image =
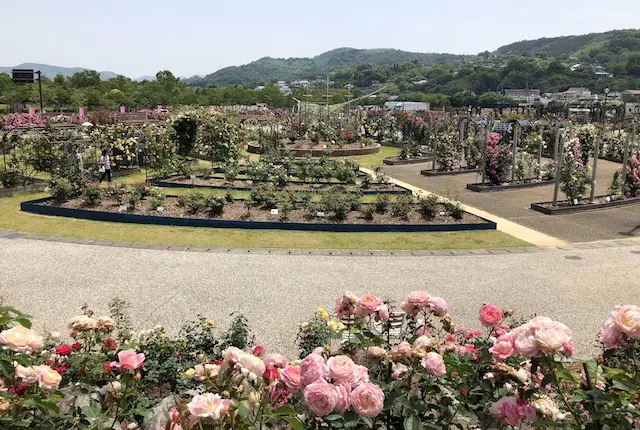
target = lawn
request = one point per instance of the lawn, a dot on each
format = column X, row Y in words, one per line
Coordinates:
column 373, row 160
column 12, row 219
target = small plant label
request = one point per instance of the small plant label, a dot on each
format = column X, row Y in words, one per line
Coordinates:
column 249, row 182
column 320, row 214
column 274, row 211
column 122, row 208
column 443, row 213
column 608, row 199
column 358, row 183
column 575, row 201
column 159, row 209
column 316, row 185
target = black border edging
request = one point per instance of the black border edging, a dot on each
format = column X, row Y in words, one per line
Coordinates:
column 562, row 210
column 167, row 184
column 486, row 188
column 34, row 206
column 389, row 161
column 255, row 148
column 448, row 172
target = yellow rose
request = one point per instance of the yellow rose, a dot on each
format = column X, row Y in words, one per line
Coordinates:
column 323, row 313
column 48, row 378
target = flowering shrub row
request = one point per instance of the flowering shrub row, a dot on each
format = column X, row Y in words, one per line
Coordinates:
column 433, row 374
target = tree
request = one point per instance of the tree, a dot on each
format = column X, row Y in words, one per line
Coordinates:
column 85, row 79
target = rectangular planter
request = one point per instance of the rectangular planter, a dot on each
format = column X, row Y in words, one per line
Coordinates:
column 392, row 162
column 485, row 188
column 561, row 210
column 35, row 206
column 448, row 172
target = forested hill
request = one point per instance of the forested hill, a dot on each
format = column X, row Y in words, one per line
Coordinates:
column 617, row 51
column 269, row 69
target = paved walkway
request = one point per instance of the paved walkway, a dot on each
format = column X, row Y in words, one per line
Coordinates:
column 514, row 205
column 51, row 280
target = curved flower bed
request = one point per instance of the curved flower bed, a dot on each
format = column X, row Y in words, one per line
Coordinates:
column 432, row 374
column 320, row 149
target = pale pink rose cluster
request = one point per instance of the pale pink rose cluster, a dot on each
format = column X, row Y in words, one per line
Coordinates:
column 512, row 411
column 46, row 377
column 21, row 339
column 419, row 301
column 624, row 324
column 128, row 359
column 361, row 307
column 209, row 405
column 434, row 364
column 206, row 371
column 334, row 386
column 250, row 365
column 84, row 323
column 539, row 336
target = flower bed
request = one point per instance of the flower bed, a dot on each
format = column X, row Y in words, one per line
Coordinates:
column 302, row 148
column 223, row 184
column 459, row 171
column 398, row 161
column 432, row 374
column 313, row 216
column 484, row 188
column 567, row 207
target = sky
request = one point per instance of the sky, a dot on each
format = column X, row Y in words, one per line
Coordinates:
column 188, row 37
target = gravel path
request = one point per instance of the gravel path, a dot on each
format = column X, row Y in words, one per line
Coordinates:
column 52, row 280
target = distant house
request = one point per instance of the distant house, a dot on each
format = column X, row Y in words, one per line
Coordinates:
column 632, row 108
column 572, row 94
column 407, row 106
column 300, row 84
column 601, row 73
column 526, row 95
column 631, row 96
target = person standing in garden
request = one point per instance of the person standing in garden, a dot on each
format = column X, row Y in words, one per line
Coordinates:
column 105, row 166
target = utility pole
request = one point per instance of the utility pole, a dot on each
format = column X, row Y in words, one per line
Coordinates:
column 40, row 88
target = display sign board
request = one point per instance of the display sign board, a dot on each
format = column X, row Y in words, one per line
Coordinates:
column 23, row 76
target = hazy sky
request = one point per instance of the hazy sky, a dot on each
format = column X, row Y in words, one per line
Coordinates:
column 140, row 37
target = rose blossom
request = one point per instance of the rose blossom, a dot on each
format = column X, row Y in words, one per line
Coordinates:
column 130, row 360
column 252, row 363
column 503, row 348
column 397, row 369
column 376, row 352
column 434, row 364
column 290, row 376
column 341, row 368
column 438, row 306
column 208, row 405
column 232, row 354
column 276, row 360
column 343, row 392
column 321, row 398
column 206, row 371
column 367, row 305
column 627, row 318
column 415, row 302
column 63, row 350
column 258, row 350
column 270, row 374
column 490, row 315
column 423, row 342
column 27, row 374
column 551, row 335
column 512, row 411
column 21, row 339
column 312, row 368
column 612, row 336
column 367, row 400
column 106, row 324
column 383, row 313
column 360, row 376
column 83, row 323
column 547, row 408
column 345, row 305
column 47, row 378
column 401, row 351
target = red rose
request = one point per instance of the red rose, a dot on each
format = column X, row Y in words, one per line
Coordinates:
column 463, row 391
column 270, row 374
column 258, row 350
column 76, row 346
column 110, row 344
column 63, row 350
column 107, row 368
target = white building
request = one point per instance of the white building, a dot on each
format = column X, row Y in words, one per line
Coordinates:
column 407, row 106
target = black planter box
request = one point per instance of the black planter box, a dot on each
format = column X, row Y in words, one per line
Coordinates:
column 448, row 172
column 561, row 210
column 390, row 161
column 486, row 188
column 35, row 206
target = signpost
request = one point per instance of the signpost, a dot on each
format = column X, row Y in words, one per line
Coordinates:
column 27, row 76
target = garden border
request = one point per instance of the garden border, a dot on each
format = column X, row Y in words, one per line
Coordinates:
column 389, row 161
column 485, row 188
column 539, row 207
column 166, row 184
column 34, row 206
column 448, row 172
column 8, row 192
column 255, row 148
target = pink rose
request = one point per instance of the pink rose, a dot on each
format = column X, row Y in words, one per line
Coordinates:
column 367, row 400
column 321, row 398
column 130, row 360
column 550, row 335
column 276, row 360
column 343, row 392
column 270, row 374
column 258, row 350
column 512, row 411
column 231, row 354
column 423, row 342
column 360, row 376
column 567, row 349
column 208, row 405
column 415, row 302
column 290, row 376
column 367, row 305
column 398, row 369
column 383, row 313
column 21, row 339
column 346, row 305
column 434, row 364
column 490, row 315
column 312, row 368
column 47, row 378
column 206, row 371
column 252, row 363
column 438, row 306
column 503, row 348
column 401, row 351
column 627, row 318
column 612, row 336
column 341, row 368
column 376, row 352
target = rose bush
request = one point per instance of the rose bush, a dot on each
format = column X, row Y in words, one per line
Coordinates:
column 430, row 374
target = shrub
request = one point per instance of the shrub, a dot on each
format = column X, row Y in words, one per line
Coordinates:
column 454, row 209
column 574, row 176
column 11, row 178
column 92, row 195
column 368, row 212
column 257, row 171
column 264, row 196
column 338, row 203
column 194, row 202
column 228, row 197
column 401, row 208
column 132, row 200
column 156, row 201
column 630, row 187
column 316, row 333
column 382, row 203
column 215, row 206
column 428, row 207
column 63, row 190
column 499, row 157
column 527, row 166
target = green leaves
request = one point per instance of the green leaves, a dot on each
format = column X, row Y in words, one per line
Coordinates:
column 412, row 422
